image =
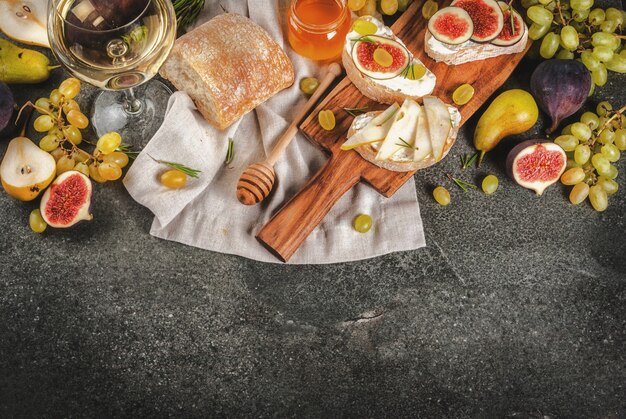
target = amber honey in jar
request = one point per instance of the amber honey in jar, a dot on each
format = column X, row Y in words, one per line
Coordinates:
column 317, row 29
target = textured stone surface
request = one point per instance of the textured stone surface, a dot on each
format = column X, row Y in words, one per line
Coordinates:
column 515, row 309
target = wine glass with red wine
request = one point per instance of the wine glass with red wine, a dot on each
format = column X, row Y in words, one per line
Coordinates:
column 118, row 46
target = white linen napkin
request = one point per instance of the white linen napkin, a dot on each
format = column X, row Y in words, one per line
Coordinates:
column 206, row 212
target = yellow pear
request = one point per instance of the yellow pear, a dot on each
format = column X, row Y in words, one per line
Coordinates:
column 26, row 170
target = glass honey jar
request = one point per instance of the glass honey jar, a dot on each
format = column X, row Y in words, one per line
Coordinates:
column 317, row 29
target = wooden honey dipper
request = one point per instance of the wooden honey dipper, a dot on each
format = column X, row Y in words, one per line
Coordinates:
column 257, row 181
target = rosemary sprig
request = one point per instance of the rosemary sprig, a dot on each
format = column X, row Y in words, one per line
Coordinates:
column 364, row 39
column 410, row 69
column 356, row 111
column 127, row 149
column 461, row 183
column 181, row 167
column 389, row 117
column 230, row 154
column 466, row 161
column 403, row 143
column 187, row 11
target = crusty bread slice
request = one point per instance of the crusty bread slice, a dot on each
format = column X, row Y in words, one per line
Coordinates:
column 228, row 66
column 470, row 51
column 369, row 153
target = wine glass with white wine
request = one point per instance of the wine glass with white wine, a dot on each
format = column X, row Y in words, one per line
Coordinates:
column 118, row 46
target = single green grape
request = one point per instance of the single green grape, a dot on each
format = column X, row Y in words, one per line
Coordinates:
column 43, row 104
column 43, row 123
column 607, row 136
column 600, row 162
column 596, row 17
column 564, row 54
column 567, row 130
column 589, row 60
column 490, row 184
column 615, row 14
column 582, row 153
column 616, row 64
column 581, row 131
column 70, row 87
column 549, row 45
column 389, row 7
column 49, row 143
column 599, row 76
column 73, row 134
column 602, row 53
column 109, row 142
column 603, row 108
column 36, row 221
column 536, row 31
column 309, row 85
column 609, row 185
column 602, row 39
column 580, row 15
column 362, row 223
column 598, row 198
column 579, row 193
column 77, row 118
column 441, row 195
column 581, row 4
column 573, row 176
column 540, row 15
column 590, row 119
column 566, row 142
column 611, row 152
column 608, row 26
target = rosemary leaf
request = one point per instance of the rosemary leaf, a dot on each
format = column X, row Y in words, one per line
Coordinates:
column 461, row 183
column 126, row 149
column 403, row 143
column 230, row 154
column 364, row 39
column 468, row 160
column 181, row 167
column 187, row 11
column 356, row 111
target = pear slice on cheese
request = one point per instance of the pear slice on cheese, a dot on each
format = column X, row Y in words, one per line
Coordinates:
column 376, row 130
column 439, row 124
column 423, row 147
column 402, row 133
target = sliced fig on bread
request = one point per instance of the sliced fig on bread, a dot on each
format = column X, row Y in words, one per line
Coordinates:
column 487, row 17
column 451, row 25
column 380, row 58
column 514, row 27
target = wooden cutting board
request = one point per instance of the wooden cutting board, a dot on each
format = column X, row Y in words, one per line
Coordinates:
column 292, row 224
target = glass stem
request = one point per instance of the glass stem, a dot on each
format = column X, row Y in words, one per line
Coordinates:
column 132, row 105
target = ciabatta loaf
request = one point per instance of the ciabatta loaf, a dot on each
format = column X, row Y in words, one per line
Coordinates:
column 228, row 66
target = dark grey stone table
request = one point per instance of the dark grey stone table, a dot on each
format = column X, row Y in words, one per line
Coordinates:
column 516, row 308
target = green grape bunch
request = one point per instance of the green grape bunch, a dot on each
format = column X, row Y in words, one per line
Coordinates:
column 573, row 30
column 593, row 144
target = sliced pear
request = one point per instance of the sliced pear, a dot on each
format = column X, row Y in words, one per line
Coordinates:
column 376, row 130
column 423, row 147
column 26, row 170
column 439, row 124
column 25, row 21
column 402, row 133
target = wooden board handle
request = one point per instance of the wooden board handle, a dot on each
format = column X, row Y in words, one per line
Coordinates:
column 290, row 226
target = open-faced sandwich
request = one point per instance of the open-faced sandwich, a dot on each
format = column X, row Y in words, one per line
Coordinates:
column 381, row 66
column 470, row 30
column 405, row 138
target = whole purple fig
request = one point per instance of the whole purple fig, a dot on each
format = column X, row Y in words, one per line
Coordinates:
column 560, row 88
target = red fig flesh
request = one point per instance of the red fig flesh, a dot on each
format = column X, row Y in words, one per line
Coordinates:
column 363, row 57
column 67, row 201
column 514, row 28
column 451, row 25
column 536, row 165
column 560, row 88
column 487, row 18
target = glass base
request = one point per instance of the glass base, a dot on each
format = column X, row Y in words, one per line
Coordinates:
column 111, row 112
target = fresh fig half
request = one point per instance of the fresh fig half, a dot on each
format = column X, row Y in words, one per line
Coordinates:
column 451, row 25
column 487, row 17
column 67, row 201
column 514, row 27
column 536, row 164
column 366, row 53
